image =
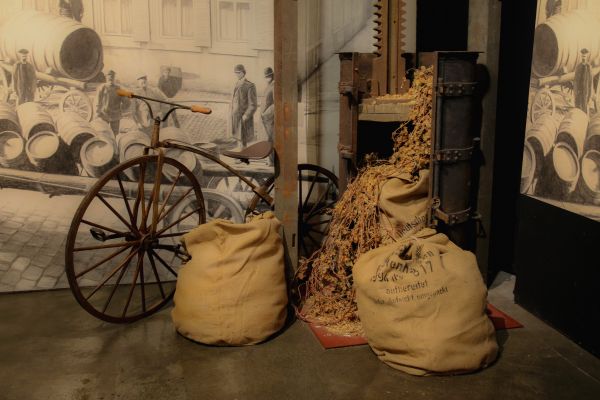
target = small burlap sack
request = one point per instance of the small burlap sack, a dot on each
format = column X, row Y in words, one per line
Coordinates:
column 421, row 302
column 403, row 204
column 233, row 290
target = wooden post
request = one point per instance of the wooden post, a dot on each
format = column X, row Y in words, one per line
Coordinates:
column 484, row 36
column 286, row 123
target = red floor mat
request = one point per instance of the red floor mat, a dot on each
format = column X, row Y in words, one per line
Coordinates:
column 330, row 340
column 501, row 320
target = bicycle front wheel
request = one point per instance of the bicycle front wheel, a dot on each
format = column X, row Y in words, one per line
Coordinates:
column 123, row 252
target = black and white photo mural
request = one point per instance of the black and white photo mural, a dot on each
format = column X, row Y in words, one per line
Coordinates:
column 561, row 157
column 62, row 125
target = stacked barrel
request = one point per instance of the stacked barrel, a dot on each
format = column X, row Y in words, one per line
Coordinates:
column 31, row 139
column 561, row 159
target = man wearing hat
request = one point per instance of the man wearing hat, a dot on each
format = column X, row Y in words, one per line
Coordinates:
column 243, row 107
column 109, row 105
column 167, row 83
column 267, row 110
column 582, row 82
column 71, row 9
column 141, row 116
column 24, row 79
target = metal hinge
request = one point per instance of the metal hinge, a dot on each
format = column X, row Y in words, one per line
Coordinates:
column 456, row 89
column 454, row 218
column 453, row 155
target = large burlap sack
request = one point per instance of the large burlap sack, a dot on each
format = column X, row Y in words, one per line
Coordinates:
column 421, row 302
column 233, row 290
column 403, row 204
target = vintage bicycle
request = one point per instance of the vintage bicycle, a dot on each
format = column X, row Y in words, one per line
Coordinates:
column 124, row 248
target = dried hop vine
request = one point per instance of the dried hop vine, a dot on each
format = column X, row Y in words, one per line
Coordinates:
column 328, row 296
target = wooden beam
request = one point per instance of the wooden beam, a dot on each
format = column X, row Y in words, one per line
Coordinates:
column 484, row 36
column 286, row 123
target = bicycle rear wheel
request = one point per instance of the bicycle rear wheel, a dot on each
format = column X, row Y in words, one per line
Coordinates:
column 317, row 194
column 122, row 254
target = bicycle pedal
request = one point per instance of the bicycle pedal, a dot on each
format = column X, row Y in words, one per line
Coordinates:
column 98, row 234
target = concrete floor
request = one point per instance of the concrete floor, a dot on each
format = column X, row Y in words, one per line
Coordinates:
column 51, row 349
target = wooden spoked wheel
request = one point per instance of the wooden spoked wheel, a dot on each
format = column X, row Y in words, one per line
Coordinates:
column 543, row 103
column 123, row 251
column 317, row 194
column 43, row 91
column 216, row 204
column 78, row 102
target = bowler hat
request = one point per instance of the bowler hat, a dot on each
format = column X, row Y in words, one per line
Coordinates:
column 23, row 51
column 142, row 77
column 268, row 72
column 584, row 51
column 239, row 68
column 111, row 72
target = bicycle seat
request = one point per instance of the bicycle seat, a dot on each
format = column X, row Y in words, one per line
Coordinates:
column 255, row 152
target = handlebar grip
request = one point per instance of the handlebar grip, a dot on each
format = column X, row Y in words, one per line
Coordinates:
column 200, row 109
column 124, row 93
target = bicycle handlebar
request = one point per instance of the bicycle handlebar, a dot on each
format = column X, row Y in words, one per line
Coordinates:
column 194, row 108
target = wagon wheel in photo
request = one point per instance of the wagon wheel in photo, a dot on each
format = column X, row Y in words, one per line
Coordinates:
column 43, row 90
column 4, row 86
column 543, row 103
column 217, row 205
column 317, row 194
column 78, row 102
column 123, row 251
column 235, row 188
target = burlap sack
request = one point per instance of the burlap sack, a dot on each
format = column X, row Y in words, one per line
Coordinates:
column 403, row 204
column 422, row 302
column 233, row 291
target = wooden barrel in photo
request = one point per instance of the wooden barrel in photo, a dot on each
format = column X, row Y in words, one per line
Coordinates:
column 8, row 118
column 58, row 44
column 528, row 168
column 566, row 166
column 592, row 139
column 48, row 153
column 74, row 131
column 590, row 177
column 34, row 118
column 131, row 144
column 559, row 40
column 568, row 148
column 12, row 150
column 188, row 159
column 102, row 128
column 573, row 129
column 539, row 140
column 98, row 155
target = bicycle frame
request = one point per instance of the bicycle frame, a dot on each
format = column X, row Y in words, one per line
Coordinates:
column 157, row 145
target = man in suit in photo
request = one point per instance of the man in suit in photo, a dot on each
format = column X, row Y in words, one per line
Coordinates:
column 140, row 112
column 24, row 79
column 267, row 110
column 583, row 82
column 243, row 107
column 109, row 105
